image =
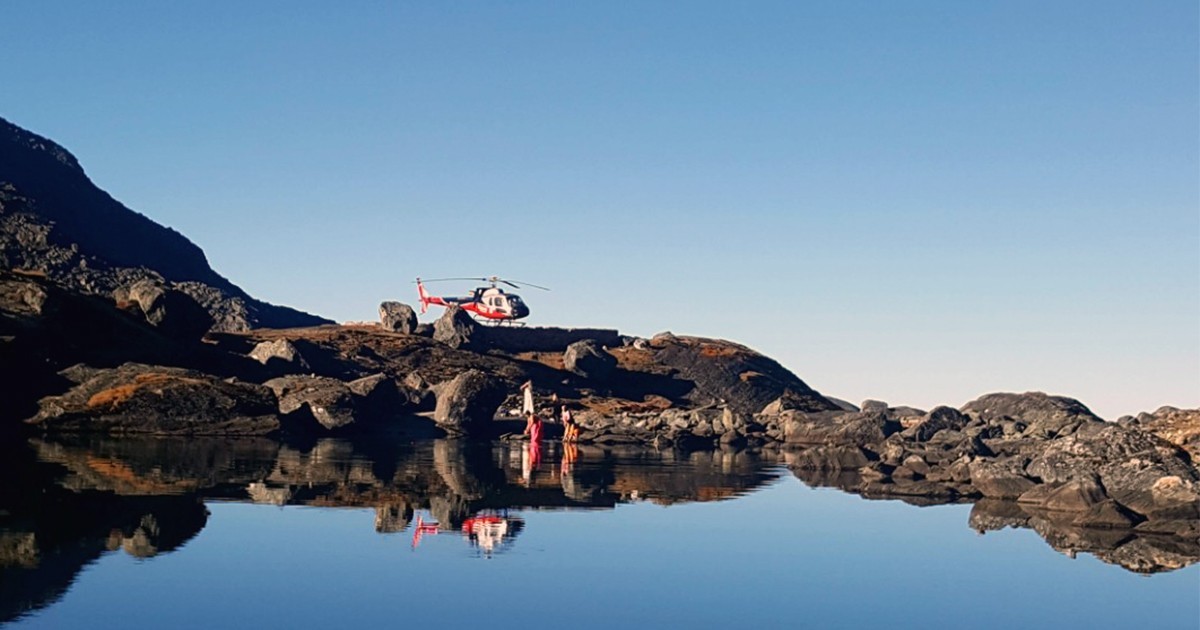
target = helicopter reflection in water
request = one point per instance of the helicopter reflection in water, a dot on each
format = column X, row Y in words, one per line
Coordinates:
column 488, row 530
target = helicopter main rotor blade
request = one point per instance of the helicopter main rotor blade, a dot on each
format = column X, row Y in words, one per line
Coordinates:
column 527, row 284
column 448, row 279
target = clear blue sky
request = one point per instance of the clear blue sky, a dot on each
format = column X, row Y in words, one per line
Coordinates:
column 913, row 201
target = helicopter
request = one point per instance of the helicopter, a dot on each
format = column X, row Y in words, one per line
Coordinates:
column 489, row 304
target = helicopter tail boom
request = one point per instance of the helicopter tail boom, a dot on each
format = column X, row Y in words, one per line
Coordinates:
column 423, row 295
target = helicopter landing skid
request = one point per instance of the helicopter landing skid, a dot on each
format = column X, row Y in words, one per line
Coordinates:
column 498, row 323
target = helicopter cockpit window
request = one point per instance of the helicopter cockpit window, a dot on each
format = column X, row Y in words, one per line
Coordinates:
column 514, row 301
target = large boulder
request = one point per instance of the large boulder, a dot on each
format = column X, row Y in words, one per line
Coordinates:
column 1177, row 426
column 378, row 396
column 587, row 359
column 173, row 312
column 1045, row 416
column 863, row 428
column 469, row 401
column 138, row 398
column 398, row 317
column 939, row 419
column 1003, row 478
column 280, row 355
column 456, row 329
column 328, row 400
column 1129, row 464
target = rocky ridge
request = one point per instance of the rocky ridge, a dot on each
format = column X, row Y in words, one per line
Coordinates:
column 55, row 221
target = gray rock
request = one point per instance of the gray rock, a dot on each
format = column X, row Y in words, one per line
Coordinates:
column 469, row 401
column 864, row 428
column 328, row 400
column 1046, row 416
column 587, row 359
column 398, row 317
column 939, row 419
column 873, row 405
column 24, row 298
column 377, row 397
column 281, row 355
column 1000, row 478
column 419, row 393
column 1129, row 463
column 456, row 329
column 173, row 312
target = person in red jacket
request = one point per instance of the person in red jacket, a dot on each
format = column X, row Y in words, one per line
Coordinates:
column 533, row 427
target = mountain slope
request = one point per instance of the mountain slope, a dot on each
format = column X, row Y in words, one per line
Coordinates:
column 55, row 220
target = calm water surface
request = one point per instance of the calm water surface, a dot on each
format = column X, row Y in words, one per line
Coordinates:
column 209, row 533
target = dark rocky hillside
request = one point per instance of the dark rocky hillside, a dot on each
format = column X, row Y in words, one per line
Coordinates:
column 53, row 219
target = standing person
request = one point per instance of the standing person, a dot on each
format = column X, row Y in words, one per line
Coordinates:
column 570, row 429
column 527, row 398
column 533, row 427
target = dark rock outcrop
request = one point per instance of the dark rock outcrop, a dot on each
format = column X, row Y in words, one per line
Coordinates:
column 398, row 317
column 137, row 398
column 1128, row 464
column 587, row 359
column 1044, row 416
column 727, row 373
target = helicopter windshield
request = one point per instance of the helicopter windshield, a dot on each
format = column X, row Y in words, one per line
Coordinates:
column 514, row 301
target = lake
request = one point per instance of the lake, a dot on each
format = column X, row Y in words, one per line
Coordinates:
column 203, row 533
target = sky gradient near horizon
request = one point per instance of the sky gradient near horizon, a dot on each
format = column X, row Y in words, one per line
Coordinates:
column 917, row 202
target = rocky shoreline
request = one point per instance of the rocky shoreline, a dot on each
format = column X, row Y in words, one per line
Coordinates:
column 110, row 323
column 1049, row 454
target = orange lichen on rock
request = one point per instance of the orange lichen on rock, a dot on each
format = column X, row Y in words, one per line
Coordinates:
column 114, row 397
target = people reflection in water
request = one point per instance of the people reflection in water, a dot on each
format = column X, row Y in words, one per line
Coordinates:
column 569, row 455
column 531, row 458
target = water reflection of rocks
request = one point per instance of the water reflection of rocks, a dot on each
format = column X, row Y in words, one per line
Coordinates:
column 1136, row 551
column 67, row 501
